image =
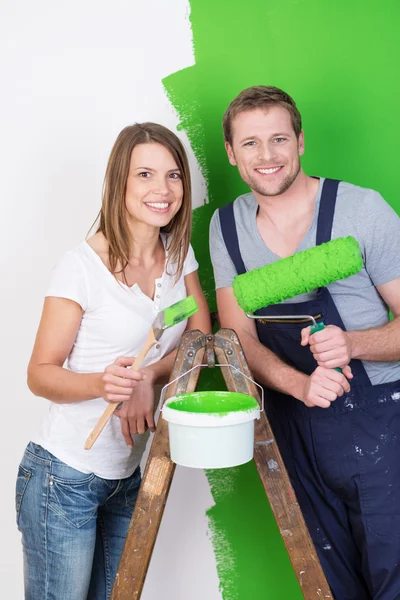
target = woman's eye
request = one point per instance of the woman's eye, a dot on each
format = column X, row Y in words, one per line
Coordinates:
column 144, row 174
column 175, row 176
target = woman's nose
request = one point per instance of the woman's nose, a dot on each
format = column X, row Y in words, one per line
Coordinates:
column 161, row 186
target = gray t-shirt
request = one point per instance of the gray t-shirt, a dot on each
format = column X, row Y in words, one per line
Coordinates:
column 359, row 212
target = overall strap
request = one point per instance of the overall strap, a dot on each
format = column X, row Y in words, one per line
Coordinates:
column 326, row 210
column 324, row 234
column 229, row 233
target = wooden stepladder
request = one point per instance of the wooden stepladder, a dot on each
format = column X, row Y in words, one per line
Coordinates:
column 195, row 349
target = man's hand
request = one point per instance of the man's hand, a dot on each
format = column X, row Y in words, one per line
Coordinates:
column 323, row 386
column 137, row 414
column 331, row 346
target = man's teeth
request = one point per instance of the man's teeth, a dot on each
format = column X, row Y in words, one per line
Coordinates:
column 268, row 171
column 159, row 205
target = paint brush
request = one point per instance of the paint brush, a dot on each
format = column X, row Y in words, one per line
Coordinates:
column 170, row 316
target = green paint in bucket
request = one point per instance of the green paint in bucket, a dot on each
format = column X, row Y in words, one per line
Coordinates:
column 213, row 402
column 211, row 430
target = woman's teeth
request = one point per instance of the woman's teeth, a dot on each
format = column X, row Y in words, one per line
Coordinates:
column 159, row 205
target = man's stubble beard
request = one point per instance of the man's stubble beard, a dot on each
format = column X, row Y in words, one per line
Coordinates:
column 285, row 185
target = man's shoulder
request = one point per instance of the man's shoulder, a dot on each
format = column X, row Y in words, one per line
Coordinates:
column 245, row 201
column 242, row 204
column 360, row 205
column 351, row 191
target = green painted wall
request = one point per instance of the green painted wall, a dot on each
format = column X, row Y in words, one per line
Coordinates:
column 339, row 60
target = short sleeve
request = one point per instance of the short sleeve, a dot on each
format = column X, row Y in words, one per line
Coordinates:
column 190, row 263
column 68, row 280
column 224, row 269
column 378, row 226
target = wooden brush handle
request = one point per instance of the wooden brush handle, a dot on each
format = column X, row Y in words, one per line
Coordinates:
column 112, row 406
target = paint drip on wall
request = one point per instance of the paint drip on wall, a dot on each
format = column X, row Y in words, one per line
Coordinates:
column 332, row 58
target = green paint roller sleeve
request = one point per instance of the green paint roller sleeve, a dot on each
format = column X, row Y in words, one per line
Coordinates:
column 298, row 274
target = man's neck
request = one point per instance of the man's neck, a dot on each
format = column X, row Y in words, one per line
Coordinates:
column 295, row 202
column 284, row 220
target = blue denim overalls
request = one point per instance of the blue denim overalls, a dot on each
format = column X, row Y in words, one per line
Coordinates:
column 343, row 461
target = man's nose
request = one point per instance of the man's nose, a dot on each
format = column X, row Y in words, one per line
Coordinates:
column 266, row 152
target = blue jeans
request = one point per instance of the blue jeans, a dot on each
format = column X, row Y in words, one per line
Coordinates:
column 73, row 527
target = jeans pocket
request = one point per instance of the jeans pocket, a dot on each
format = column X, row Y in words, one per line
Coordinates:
column 23, row 478
column 72, row 494
column 132, row 489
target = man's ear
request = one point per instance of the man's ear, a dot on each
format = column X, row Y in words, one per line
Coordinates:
column 301, row 143
column 231, row 156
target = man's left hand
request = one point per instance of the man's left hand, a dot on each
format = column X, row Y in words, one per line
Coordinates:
column 331, row 346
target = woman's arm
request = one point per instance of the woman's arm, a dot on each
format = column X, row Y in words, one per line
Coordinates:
column 48, row 378
column 139, row 413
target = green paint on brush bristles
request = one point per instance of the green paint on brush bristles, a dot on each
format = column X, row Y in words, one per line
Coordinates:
column 174, row 314
column 298, row 274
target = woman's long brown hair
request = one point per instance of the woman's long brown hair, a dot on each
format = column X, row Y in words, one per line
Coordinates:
column 112, row 216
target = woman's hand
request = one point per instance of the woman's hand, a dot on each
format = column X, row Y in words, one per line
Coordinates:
column 117, row 382
column 137, row 414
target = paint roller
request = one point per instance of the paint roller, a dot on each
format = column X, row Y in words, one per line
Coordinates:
column 297, row 274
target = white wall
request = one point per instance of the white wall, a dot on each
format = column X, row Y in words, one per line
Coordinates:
column 73, row 74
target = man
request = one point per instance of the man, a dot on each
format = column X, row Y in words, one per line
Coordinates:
column 339, row 433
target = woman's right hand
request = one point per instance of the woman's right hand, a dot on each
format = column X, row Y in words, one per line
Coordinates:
column 118, row 381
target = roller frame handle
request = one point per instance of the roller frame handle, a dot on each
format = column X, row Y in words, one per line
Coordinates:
column 112, row 406
column 319, row 327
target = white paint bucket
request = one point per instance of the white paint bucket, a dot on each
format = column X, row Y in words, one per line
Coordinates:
column 211, row 430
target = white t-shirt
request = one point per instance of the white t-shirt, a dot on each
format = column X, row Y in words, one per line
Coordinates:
column 115, row 322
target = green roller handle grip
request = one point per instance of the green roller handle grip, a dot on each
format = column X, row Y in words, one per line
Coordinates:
column 319, row 327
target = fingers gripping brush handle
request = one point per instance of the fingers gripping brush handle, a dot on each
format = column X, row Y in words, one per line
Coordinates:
column 112, row 407
column 170, row 316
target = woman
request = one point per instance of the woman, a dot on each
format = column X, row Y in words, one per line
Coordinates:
column 74, row 506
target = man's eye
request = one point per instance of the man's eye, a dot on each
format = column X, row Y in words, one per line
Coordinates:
column 280, row 139
column 250, row 143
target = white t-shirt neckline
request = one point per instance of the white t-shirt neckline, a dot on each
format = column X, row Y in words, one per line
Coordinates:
column 135, row 287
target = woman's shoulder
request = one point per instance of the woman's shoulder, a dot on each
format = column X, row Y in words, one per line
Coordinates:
column 99, row 245
column 82, row 257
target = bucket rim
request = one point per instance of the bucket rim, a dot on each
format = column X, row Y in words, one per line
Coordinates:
column 252, row 403
column 209, row 419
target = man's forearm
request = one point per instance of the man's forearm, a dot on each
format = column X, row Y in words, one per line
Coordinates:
column 269, row 370
column 378, row 343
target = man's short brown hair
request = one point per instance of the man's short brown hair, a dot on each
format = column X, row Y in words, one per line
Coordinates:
column 260, row 96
